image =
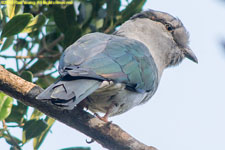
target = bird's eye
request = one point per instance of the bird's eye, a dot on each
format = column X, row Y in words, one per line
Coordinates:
column 169, row 27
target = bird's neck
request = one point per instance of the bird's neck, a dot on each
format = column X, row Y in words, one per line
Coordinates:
column 149, row 33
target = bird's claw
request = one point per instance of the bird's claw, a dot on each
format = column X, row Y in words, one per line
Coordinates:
column 104, row 118
column 89, row 142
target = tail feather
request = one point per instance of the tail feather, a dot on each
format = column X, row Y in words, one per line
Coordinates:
column 68, row 94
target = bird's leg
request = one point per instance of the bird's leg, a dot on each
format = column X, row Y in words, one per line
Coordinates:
column 104, row 118
column 109, row 110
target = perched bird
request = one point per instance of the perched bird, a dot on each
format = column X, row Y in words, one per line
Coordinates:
column 113, row 73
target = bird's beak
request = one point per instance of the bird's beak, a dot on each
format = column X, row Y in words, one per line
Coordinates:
column 190, row 55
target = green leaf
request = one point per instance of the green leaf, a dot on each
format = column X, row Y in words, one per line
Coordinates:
column 77, row 148
column 112, row 12
column 132, row 8
column 12, row 8
column 70, row 15
column 113, row 8
column 9, row 139
column 64, row 18
column 2, row 132
column 71, row 35
column 34, row 35
column 27, row 75
column 16, row 24
column 34, row 24
column 5, row 105
column 45, row 81
column 50, row 26
column 20, row 44
column 60, row 18
column 12, row 71
column 36, row 114
column 8, row 42
column 97, row 23
column 85, row 10
column 17, row 113
column 33, row 128
column 1, row 15
column 39, row 140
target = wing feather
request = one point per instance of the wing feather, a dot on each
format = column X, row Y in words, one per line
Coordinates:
column 111, row 57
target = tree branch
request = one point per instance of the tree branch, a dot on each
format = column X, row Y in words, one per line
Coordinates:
column 16, row 146
column 30, row 57
column 108, row 135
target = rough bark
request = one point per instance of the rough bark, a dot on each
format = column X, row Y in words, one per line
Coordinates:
column 108, row 135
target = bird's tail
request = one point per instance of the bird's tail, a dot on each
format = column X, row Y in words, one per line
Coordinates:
column 68, row 94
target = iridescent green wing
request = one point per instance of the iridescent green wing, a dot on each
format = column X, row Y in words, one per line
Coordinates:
column 115, row 58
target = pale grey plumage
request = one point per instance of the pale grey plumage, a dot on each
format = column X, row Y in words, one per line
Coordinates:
column 114, row 73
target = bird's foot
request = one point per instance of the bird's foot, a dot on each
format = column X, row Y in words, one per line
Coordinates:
column 108, row 112
column 104, row 118
column 89, row 142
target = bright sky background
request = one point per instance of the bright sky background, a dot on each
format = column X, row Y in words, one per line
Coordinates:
column 188, row 110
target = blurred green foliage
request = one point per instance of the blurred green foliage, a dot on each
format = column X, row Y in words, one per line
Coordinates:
column 37, row 35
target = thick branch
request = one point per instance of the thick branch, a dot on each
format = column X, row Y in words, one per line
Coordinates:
column 108, row 135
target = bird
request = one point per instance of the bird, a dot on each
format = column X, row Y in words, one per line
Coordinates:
column 112, row 73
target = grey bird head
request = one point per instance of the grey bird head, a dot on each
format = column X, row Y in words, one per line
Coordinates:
column 177, row 30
